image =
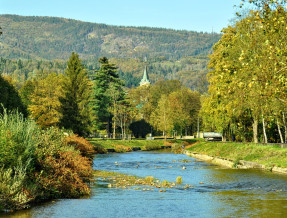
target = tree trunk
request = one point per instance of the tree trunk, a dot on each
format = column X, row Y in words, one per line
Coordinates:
column 114, row 132
column 114, row 118
column 108, row 127
column 198, row 127
column 264, row 130
column 224, row 136
column 285, row 127
column 164, row 134
column 255, row 130
column 280, row 133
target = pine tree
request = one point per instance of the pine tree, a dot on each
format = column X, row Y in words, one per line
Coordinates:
column 76, row 101
column 106, row 80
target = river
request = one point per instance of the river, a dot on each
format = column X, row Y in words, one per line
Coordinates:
column 217, row 192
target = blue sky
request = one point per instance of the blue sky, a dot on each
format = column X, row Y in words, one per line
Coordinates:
column 196, row 15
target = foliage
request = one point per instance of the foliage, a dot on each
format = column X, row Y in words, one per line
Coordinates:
column 108, row 94
column 32, row 45
column 26, row 91
column 110, row 144
column 37, row 164
column 44, row 100
column 248, row 77
column 9, row 97
column 81, row 144
column 167, row 106
column 140, row 128
column 122, row 149
column 152, row 146
column 18, row 138
column 63, row 175
column 75, row 102
column 13, row 193
column 55, row 38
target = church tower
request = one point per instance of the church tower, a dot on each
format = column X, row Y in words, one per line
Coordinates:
column 145, row 80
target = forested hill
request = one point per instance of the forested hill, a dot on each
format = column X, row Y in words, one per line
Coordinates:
column 55, row 38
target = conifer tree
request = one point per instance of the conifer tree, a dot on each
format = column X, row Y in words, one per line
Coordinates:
column 76, row 101
column 107, row 85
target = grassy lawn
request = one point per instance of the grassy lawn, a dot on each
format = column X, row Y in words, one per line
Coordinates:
column 267, row 155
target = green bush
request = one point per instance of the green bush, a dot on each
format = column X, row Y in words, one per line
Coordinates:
column 150, row 147
column 38, row 164
column 18, row 140
column 13, row 192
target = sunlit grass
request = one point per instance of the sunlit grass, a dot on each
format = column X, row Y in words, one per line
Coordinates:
column 267, row 155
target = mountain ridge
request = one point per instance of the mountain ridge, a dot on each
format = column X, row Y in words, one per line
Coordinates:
column 49, row 38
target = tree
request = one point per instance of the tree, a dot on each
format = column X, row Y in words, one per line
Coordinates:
column 45, row 104
column 140, row 128
column 9, row 97
column 108, row 90
column 185, row 105
column 26, row 91
column 162, row 118
column 76, row 106
column 249, row 72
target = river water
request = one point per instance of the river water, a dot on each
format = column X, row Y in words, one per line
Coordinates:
column 217, row 192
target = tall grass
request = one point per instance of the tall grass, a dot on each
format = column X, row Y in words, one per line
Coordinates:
column 39, row 164
column 17, row 140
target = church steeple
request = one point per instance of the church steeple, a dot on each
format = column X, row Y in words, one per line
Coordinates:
column 145, row 79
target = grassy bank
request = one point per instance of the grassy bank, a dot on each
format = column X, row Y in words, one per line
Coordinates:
column 269, row 156
column 145, row 145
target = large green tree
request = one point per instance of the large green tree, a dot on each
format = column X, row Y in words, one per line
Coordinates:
column 9, row 97
column 76, row 105
column 107, row 94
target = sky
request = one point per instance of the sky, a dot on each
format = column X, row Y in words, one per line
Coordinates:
column 192, row 15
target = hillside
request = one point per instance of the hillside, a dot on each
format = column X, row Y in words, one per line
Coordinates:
column 45, row 43
column 55, row 38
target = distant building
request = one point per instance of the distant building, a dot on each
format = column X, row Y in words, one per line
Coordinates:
column 145, row 80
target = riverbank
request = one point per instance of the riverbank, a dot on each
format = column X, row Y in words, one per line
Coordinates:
column 38, row 165
column 239, row 155
column 121, row 146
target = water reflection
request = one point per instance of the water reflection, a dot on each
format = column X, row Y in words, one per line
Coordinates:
column 217, row 192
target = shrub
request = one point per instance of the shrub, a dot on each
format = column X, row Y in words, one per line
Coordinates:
column 18, row 140
column 176, row 148
column 61, row 170
column 38, row 164
column 13, row 193
column 64, row 175
column 81, row 144
column 167, row 143
column 122, row 148
column 150, row 147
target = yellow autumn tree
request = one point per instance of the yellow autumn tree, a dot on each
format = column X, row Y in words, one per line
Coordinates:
column 45, row 104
